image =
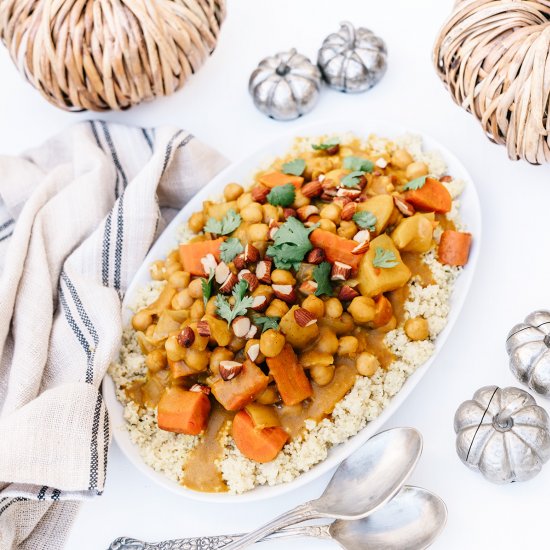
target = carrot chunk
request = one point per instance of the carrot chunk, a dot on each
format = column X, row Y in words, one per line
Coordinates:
column 289, row 375
column 238, row 392
column 182, row 411
column 191, row 255
column 274, row 179
column 337, row 249
column 433, row 196
column 178, row 369
column 261, row 445
column 454, row 247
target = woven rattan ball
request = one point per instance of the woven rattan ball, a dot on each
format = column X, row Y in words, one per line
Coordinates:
column 108, row 54
column 494, row 57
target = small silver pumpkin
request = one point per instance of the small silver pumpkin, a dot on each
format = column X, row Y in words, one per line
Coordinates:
column 352, row 60
column 285, row 86
column 503, row 434
column 528, row 345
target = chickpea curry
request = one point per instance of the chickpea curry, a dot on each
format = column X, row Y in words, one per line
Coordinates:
column 285, row 295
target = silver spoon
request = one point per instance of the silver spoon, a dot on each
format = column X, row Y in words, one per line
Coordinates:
column 362, row 483
column 412, row 520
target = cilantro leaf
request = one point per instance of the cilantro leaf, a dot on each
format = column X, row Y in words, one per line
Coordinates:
column 207, row 287
column 291, row 244
column 365, row 220
column 282, row 195
column 226, row 225
column 321, row 274
column 295, row 167
column 415, row 184
column 358, row 164
column 384, row 258
column 267, row 322
column 230, row 248
column 242, row 303
column 352, row 179
column 327, row 144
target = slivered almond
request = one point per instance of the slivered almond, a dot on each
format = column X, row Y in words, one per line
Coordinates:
column 221, row 272
column 305, row 212
column 241, row 326
column 229, row 283
column 347, row 293
column 340, row 271
column 200, row 388
column 252, row 332
column 361, row 248
column 315, row 256
column 362, row 236
column 349, row 193
column 308, row 287
column 239, row 261
column 304, row 317
column 289, row 213
column 251, row 254
column 186, row 337
column 263, row 271
column 285, row 293
column 259, row 193
column 259, row 303
column 251, row 279
column 446, row 179
column 312, row 189
column 348, row 211
column 253, row 352
column 203, row 328
column 406, row 208
column 230, row 369
column 381, row 162
column 273, row 228
column 209, row 263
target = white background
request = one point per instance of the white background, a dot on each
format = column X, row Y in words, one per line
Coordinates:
column 512, row 277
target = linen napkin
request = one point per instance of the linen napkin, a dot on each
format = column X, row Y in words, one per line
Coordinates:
column 77, row 217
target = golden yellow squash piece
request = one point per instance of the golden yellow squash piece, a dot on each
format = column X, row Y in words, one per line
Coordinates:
column 414, row 234
column 298, row 337
column 375, row 280
column 382, row 207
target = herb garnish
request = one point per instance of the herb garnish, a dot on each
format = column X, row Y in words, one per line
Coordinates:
column 207, row 287
column 384, row 258
column 352, row 179
column 321, row 274
column 365, row 220
column 291, row 244
column 415, row 184
column 358, row 164
column 242, row 303
column 295, row 167
column 329, row 143
column 282, row 195
column 229, row 249
column 226, row 225
column 267, row 322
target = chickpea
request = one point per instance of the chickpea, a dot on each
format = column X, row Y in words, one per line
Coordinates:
column 197, row 359
column 270, row 396
column 272, row 343
column 174, row 351
column 322, row 374
column 277, row 308
column 327, row 225
column 258, row 232
column 270, row 213
column 327, row 342
column 252, row 213
column 300, row 200
column 197, row 309
column 196, row 222
column 157, row 270
column 417, row 328
column 171, row 268
column 282, row 277
column 142, row 320
column 367, row 364
column 331, row 212
column 347, row 345
column 211, row 306
column 362, row 309
column 182, row 300
column 179, row 279
column 219, row 354
column 347, row 229
column 314, row 305
column 156, row 360
column 333, row 308
column 244, row 200
column 401, row 159
column 232, row 191
column 416, row 170
column 195, row 288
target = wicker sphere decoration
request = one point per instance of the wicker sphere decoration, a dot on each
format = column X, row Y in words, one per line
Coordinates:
column 493, row 56
column 103, row 54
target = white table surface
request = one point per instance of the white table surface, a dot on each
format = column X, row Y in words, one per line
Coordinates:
column 512, row 277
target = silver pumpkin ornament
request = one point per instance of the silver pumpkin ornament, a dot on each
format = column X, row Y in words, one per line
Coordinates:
column 285, row 86
column 503, row 434
column 352, row 60
column 528, row 345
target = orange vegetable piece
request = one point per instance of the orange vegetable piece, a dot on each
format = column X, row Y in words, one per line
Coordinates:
column 191, row 255
column 454, row 247
column 337, row 249
column 289, row 375
column 261, row 445
column 238, row 392
column 274, row 179
column 182, row 411
column 383, row 311
column 433, row 196
column 179, row 369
